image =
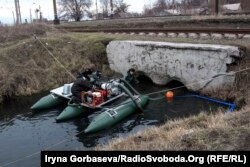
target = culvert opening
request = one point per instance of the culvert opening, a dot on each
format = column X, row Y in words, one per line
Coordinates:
column 144, row 79
column 177, row 86
column 145, row 84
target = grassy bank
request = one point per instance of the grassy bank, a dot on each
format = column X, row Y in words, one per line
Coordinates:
column 27, row 67
column 203, row 132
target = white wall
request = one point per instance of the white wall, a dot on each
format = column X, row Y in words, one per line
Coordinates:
column 197, row 66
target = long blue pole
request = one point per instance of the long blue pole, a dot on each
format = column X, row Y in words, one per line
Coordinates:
column 231, row 105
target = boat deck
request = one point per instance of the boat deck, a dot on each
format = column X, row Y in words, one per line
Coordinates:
column 63, row 91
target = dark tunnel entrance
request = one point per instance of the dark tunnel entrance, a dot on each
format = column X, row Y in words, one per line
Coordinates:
column 177, row 86
column 144, row 79
column 147, row 85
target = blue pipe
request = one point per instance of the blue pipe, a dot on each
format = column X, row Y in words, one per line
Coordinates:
column 232, row 106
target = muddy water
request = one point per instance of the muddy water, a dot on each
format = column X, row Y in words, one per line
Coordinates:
column 23, row 133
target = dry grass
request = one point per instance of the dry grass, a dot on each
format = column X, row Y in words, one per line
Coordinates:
column 203, row 132
column 221, row 17
column 15, row 33
column 27, row 68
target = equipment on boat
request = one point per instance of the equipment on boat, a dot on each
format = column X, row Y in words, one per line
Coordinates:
column 66, row 89
column 59, row 95
column 97, row 99
column 94, row 98
column 91, row 101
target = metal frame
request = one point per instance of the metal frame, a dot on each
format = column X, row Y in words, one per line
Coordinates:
column 111, row 114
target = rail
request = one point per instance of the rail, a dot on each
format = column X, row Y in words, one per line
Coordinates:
column 162, row 30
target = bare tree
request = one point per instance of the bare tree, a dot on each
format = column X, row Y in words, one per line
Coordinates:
column 149, row 9
column 105, row 7
column 245, row 5
column 160, row 5
column 74, row 9
column 121, row 7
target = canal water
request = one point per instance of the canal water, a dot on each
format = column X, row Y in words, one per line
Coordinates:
column 24, row 134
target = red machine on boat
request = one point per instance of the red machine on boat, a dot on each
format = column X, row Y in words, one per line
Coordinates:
column 94, row 98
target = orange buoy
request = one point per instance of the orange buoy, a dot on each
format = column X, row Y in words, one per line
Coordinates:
column 169, row 96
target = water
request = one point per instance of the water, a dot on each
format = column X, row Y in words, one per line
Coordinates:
column 23, row 133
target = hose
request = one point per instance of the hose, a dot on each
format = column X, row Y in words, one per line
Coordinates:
column 131, row 96
column 136, row 92
column 157, row 98
column 129, row 86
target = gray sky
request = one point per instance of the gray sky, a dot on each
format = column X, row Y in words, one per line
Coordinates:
column 7, row 6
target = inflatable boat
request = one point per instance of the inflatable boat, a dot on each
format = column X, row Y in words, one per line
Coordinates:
column 109, row 92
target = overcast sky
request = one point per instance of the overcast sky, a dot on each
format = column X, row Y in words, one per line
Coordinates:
column 7, row 8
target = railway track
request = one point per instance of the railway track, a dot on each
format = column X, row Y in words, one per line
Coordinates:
column 161, row 30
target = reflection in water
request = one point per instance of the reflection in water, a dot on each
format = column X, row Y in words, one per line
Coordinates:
column 23, row 133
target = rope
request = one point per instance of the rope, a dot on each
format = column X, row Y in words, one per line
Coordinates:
column 179, row 87
column 51, row 54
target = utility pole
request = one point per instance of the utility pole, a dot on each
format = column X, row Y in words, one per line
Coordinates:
column 18, row 13
column 111, row 6
column 185, row 7
column 56, row 20
column 30, row 16
column 13, row 17
column 36, row 11
column 216, row 7
column 96, row 10
column 41, row 16
column 173, row 2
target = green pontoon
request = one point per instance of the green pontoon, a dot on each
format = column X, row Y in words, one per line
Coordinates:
column 57, row 96
column 71, row 111
column 112, row 116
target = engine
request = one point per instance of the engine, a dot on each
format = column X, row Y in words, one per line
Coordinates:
column 111, row 87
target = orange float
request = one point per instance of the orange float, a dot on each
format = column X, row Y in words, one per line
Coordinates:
column 169, row 96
